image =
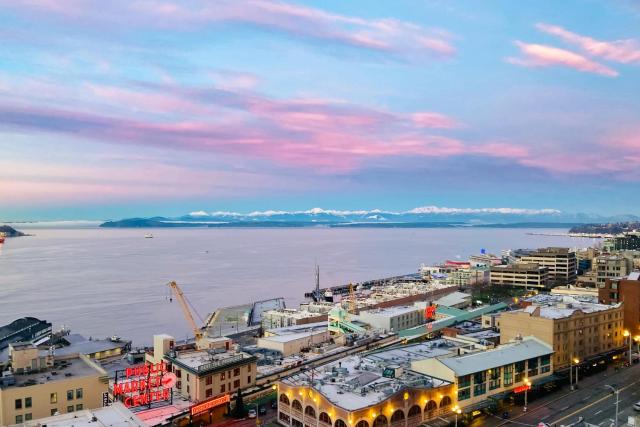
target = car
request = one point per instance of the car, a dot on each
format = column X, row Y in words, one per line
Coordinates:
column 636, row 406
column 252, row 413
column 262, row 410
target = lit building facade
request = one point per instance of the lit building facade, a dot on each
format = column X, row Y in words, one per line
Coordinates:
column 561, row 262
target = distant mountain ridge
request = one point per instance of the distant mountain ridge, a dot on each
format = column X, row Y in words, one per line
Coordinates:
column 427, row 216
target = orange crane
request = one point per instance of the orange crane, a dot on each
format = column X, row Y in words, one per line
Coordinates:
column 185, row 310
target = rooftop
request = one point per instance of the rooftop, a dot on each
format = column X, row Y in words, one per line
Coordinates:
column 391, row 311
column 115, row 415
column 62, row 370
column 203, row 361
column 453, row 298
column 294, row 329
column 357, row 381
column 80, row 344
column 296, row 336
column 518, row 266
column 561, row 306
column 292, row 312
column 502, row 355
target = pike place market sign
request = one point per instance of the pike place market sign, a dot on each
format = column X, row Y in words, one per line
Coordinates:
column 144, row 384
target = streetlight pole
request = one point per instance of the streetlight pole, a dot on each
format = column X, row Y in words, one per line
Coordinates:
column 527, row 384
column 627, row 334
column 617, row 393
column 456, row 411
column 577, row 361
column 571, row 372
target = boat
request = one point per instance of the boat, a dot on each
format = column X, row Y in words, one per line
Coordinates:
column 328, row 295
column 148, row 236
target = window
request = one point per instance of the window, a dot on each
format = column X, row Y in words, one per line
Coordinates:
column 222, row 376
column 479, row 389
column 53, row 398
column 222, row 388
column 249, row 379
column 18, row 419
column 178, row 373
column 464, row 394
column 69, row 394
column 236, row 372
column 54, row 411
column 79, row 407
column 79, row 393
column 507, row 374
column 248, row 368
column 187, row 388
column 479, row 377
column 187, row 377
column 18, row 403
column 209, row 392
column 70, row 408
column 28, row 417
column 236, row 384
column 533, row 366
column 27, row 402
column 464, row 381
column 209, row 380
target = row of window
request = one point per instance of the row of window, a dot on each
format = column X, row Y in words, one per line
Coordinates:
column 29, row 416
column 53, row 398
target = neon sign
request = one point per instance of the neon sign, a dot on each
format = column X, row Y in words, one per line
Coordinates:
column 209, row 404
column 521, row 388
column 430, row 311
column 144, row 385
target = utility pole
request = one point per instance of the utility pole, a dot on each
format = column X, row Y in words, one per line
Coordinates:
column 617, row 393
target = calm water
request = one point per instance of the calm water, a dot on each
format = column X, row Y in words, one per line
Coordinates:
column 102, row 282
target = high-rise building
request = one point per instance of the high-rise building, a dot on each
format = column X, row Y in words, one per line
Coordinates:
column 611, row 267
column 561, row 262
column 521, row 274
column 627, row 291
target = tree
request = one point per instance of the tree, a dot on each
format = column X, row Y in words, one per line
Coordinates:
column 239, row 411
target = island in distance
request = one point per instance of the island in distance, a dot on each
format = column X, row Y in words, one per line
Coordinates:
column 7, row 231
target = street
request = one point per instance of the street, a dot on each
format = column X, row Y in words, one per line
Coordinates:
column 591, row 401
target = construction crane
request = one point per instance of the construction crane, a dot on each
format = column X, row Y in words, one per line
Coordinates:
column 173, row 286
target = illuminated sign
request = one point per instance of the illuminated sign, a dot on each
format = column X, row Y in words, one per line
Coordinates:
column 144, row 384
column 430, row 311
column 209, row 404
column 521, row 388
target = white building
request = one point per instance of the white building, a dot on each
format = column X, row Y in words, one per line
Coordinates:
column 392, row 318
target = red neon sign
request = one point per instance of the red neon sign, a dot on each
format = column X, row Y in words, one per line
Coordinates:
column 205, row 406
column 430, row 312
column 521, row 388
column 145, row 384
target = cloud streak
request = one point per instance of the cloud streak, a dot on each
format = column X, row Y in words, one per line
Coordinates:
column 537, row 55
column 623, row 51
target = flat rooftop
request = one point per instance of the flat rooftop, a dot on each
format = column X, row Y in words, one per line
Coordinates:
column 62, row 370
column 357, row 381
column 115, row 415
column 294, row 329
column 391, row 311
column 201, row 361
column 292, row 313
column 294, row 337
column 561, row 306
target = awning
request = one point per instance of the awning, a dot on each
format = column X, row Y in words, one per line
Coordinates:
column 477, row 406
column 545, row 380
column 500, row 396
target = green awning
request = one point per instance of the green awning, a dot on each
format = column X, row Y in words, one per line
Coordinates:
column 478, row 406
column 545, row 380
column 500, row 396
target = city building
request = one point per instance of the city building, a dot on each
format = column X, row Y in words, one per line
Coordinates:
column 586, row 259
column 288, row 343
column 463, row 277
column 376, row 389
column 455, row 299
column 575, row 328
column 392, row 319
column 484, row 377
column 520, row 274
column 97, row 349
column 40, row 385
column 627, row 291
column 116, row 414
column 611, row 267
column 588, row 279
column 282, row 318
column 626, row 241
column 561, row 262
column 570, row 290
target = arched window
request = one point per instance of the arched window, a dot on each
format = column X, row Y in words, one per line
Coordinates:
column 362, row 423
column 310, row 411
column 397, row 416
column 414, row 410
column 380, row 421
column 431, row 406
column 297, row 405
column 284, row 399
column 340, row 423
column 325, row 418
column 446, row 401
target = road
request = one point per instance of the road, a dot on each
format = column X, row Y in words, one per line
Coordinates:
column 591, row 401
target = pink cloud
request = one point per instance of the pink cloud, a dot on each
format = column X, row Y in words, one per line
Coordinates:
column 382, row 35
column 502, row 149
column 624, row 51
column 427, row 119
column 537, row 55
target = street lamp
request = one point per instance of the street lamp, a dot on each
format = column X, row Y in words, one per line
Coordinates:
column 628, row 335
column 527, row 384
column 405, row 397
column 576, row 361
column 617, row 393
column 571, row 372
column 457, row 411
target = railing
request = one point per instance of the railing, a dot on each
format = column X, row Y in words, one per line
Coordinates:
column 397, row 423
column 284, row 408
column 414, row 421
column 308, row 419
column 296, row 413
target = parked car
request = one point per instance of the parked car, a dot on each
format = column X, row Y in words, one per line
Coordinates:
column 252, row 413
column 262, row 410
column 636, row 406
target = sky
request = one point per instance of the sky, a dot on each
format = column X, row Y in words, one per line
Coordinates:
column 140, row 108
